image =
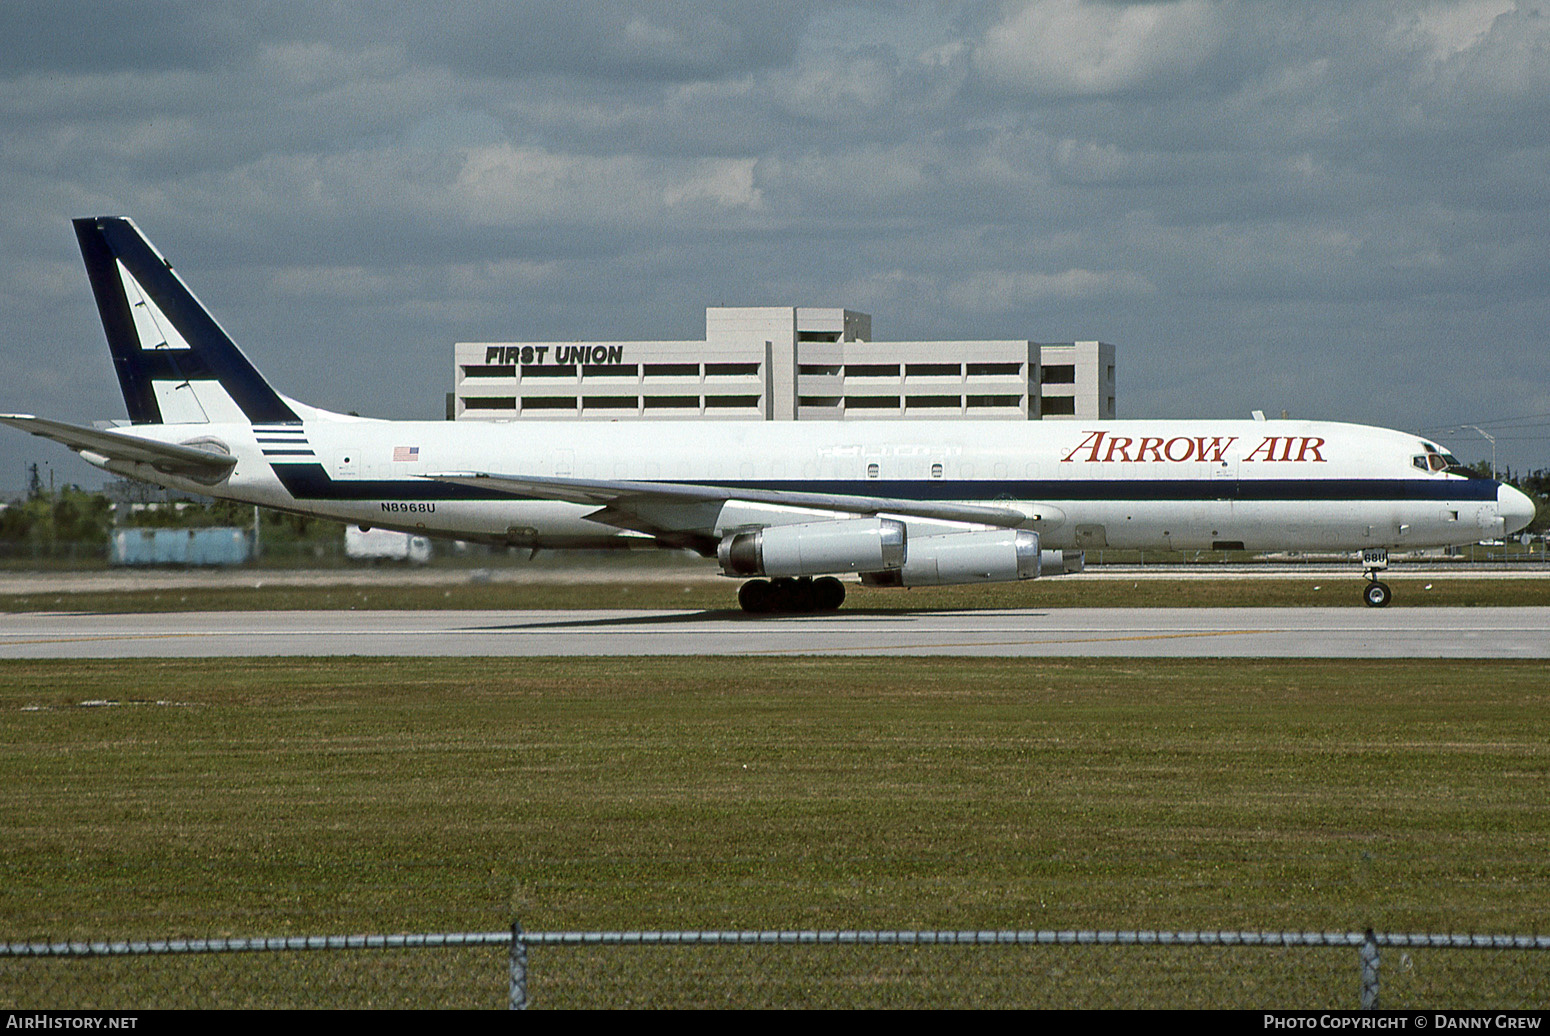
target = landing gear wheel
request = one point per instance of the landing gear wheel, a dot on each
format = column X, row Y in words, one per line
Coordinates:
column 791, row 596
column 756, row 597
column 828, row 594
column 787, row 595
column 1377, row 595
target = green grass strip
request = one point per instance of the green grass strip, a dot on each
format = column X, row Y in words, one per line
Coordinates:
column 191, row 798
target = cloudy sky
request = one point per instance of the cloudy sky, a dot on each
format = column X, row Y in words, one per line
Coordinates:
column 1337, row 209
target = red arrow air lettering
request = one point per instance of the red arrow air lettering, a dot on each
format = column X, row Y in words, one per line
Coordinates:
column 1100, row 447
column 1279, row 448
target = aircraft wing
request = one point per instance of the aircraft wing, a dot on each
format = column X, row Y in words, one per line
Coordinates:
column 659, row 506
column 192, row 461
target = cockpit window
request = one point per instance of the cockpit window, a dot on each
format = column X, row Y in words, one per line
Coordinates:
column 1435, row 460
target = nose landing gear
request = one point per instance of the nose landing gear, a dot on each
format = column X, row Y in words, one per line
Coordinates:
column 1376, row 594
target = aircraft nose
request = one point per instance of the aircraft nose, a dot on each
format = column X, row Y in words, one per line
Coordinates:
column 1516, row 507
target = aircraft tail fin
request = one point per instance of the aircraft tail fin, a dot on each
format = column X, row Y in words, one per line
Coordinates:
column 175, row 364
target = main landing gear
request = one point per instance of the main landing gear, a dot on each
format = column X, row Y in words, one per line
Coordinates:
column 1376, row 594
column 804, row 594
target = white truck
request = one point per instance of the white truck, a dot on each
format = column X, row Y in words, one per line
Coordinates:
column 385, row 545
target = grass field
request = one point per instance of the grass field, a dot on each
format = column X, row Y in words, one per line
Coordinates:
column 274, row 797
column 698, row 593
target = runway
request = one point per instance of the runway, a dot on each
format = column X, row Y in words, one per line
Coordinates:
column 1066, row 632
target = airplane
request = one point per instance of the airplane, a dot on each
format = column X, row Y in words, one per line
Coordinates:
column 789, row 506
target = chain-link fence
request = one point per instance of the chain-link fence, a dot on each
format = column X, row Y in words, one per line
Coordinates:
column 814, row 969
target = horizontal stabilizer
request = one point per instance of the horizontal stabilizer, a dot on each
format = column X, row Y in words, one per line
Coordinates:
column 205, row 465
column 626, row 495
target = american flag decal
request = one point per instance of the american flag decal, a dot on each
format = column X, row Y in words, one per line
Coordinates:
column 406, row 453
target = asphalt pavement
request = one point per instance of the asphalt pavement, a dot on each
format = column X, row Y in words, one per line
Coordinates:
column 1064, row 632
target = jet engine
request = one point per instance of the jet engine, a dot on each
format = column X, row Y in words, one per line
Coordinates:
column 995, row 556
column 815, row 548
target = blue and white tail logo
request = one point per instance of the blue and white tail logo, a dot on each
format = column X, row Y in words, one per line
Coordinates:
column 175, row 364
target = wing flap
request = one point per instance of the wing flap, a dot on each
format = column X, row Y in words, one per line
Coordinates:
column 192, row 461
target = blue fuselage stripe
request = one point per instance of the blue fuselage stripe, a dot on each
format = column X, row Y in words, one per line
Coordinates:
column 312, row 482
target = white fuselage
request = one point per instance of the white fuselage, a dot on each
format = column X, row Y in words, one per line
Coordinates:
column 1256, row 485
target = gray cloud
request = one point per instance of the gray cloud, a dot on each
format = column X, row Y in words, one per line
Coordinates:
column 1265, row 205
